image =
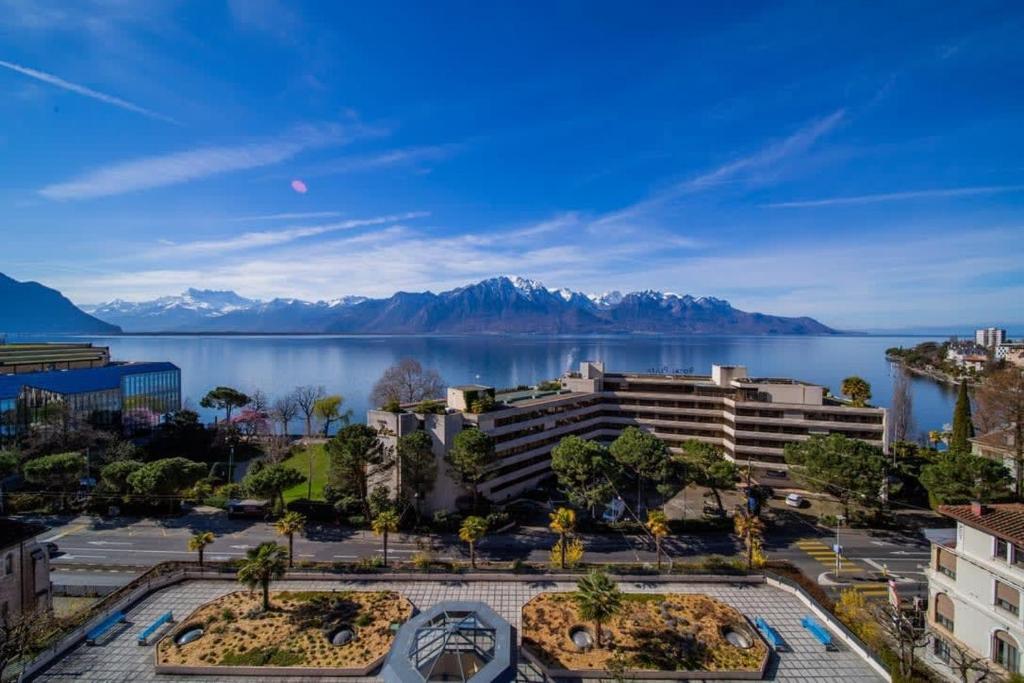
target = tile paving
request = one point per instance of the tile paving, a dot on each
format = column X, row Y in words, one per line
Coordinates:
column 120, row 658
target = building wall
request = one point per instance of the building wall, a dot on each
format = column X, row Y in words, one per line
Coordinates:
column 24, row 578
column 972, row 591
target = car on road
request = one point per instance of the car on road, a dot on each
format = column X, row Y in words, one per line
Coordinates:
column 795, row 500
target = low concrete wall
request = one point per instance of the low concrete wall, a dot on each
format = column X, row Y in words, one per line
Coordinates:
column 845, row 635
column 266, row 671
column 638, row 674
column 76, row 591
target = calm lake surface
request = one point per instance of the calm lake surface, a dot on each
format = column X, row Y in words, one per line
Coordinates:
column 349, row 365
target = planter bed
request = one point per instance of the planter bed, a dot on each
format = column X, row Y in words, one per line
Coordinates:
column 653, row 636
column 294, row 638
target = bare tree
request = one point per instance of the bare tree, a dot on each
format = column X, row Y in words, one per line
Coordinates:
column 284, row 410
column 905, row 631
column 964, row 662
column 901, row 412
column 305, row 398
column 407, row 382
column 1000, row 401
column 259, row 402
column 17, row 636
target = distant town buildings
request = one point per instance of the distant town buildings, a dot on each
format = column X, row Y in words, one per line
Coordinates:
column 750, row 419
column 24, row 569
column 974, row 585
column 82, row 383
column 990, row 337
column 1011, row 352
column 967, row 355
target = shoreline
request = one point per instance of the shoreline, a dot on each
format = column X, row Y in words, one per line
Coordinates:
column 934, row 375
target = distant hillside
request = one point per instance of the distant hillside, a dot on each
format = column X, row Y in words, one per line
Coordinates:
column 496, row 305
column 31, row 308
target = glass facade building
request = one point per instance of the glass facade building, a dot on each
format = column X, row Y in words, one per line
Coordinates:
column 132, row 397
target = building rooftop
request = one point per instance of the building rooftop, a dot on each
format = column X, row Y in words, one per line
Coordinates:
column 1005, row 520
column 13, row 531
column 77, row 381
column 1001, row 439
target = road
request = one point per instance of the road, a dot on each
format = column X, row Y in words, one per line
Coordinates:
column 118, row 549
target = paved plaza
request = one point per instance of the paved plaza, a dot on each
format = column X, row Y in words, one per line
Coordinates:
column 120, row 658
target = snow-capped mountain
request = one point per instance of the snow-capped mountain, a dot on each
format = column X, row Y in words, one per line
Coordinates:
column 496, row 305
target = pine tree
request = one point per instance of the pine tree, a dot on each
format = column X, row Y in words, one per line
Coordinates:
column 963, row 428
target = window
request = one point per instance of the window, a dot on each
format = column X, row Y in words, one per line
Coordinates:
column 1002, row 549
column 944, row 612
column 1018, row 555
column 945, row 562
column 1007, row 598
column 940, row 649
column 9, row 564
column 1005, row 652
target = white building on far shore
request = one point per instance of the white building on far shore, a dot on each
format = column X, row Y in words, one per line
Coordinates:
column 990, row 337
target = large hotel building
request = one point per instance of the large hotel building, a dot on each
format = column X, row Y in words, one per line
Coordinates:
column 751, row 419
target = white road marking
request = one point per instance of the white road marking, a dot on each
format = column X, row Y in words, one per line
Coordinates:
column 107, row 543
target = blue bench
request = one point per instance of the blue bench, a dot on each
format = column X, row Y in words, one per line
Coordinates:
column 95, row 634
column 817, row 630
column 769, row 633
column 165, row 618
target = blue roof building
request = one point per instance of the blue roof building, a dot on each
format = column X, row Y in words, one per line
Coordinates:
column 130, row 396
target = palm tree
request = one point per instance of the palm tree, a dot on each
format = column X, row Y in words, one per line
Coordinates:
column 199, row 541
column 750, row 528
column 563, row 523
column 473, row 529
column 857, row 389
column 657, row 524
column 383, row 524
column 597, row 599
column 290, row 524
column 262, row 564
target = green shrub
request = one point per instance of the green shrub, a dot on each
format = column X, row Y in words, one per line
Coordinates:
column 26, row 502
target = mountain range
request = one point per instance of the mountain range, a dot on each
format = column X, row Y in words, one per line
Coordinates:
column 31, row 308
column 496, row 305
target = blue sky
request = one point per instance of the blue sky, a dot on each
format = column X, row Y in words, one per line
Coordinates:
column 862, row 163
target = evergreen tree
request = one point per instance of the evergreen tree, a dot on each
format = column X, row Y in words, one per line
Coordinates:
column 963, row 428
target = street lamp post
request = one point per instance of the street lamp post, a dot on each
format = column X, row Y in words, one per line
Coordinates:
column 838, row 549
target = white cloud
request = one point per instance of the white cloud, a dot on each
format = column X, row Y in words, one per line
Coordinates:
column 743, row 168
column 268, row 238
column 286, row 216
column 86, row 92
column 395, row 157
column 180, row 167
column 896, row 196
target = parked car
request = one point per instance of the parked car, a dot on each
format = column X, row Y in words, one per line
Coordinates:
column 795, row 500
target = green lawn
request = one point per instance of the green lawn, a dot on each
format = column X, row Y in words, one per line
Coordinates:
column 300, row 462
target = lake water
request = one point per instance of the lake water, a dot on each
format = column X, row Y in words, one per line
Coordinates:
column 349, row 365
